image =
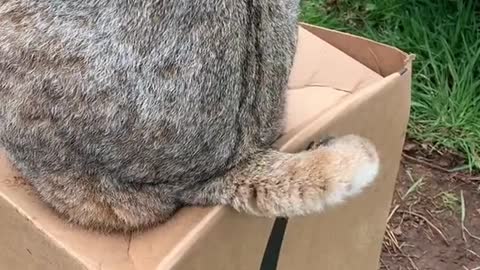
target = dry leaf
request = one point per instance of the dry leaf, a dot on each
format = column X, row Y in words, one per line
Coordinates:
column 409, row 146
column 397, row 231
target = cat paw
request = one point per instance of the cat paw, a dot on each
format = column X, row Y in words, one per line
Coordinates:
column 356, row 165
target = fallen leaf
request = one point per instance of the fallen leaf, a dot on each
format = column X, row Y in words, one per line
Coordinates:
column 397, row 231
column 409, row 146
column 444, row 162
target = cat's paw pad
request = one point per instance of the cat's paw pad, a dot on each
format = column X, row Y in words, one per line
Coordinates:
column 357, row 167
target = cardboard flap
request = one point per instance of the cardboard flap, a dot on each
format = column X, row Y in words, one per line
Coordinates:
column 317, row 63
column 321, row 75
column 381, row 58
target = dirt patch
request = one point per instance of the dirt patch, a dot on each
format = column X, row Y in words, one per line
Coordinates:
column 425, row 230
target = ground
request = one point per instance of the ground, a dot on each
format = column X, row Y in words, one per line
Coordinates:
column 425, row 230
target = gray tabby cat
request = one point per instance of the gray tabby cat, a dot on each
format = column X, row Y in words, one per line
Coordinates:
column 118, row 112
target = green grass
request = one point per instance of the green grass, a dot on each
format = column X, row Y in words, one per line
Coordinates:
column 445, row 36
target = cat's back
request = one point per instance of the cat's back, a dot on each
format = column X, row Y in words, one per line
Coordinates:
column 128, row 87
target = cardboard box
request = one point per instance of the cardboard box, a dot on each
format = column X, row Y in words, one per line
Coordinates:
column 339, row 84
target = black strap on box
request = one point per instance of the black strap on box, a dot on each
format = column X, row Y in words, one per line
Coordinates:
column 274, row 245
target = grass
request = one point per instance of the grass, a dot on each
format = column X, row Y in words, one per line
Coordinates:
column 445, row 36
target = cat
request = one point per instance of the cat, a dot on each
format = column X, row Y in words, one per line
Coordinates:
column 120, row 112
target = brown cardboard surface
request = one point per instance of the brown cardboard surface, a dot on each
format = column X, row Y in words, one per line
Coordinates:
column 321, row 72
column 339, row 84
column 24, row 247
column 350, row 236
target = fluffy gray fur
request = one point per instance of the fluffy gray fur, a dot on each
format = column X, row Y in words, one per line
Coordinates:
column 118, row 112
